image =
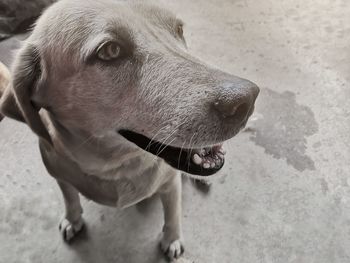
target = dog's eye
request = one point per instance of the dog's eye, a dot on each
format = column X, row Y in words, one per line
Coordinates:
column 180, row 30
column 108, row 51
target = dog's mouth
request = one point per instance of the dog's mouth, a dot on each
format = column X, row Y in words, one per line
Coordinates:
column 204, row 161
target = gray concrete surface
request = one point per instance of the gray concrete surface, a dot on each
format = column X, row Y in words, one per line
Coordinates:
column 284, row 195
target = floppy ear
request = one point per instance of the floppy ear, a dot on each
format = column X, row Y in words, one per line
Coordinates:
column 16, row 101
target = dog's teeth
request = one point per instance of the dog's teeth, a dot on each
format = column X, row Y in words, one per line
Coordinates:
column 206, row 165
column 197, row 159
column 221, row 155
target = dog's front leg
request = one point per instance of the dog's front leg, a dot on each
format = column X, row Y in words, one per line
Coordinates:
column 172, row 240
column 72, row 222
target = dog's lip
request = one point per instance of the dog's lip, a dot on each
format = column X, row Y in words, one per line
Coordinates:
column 203, row 162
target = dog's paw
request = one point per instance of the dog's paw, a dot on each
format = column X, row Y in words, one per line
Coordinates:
column 173, row 250
column 70, row 230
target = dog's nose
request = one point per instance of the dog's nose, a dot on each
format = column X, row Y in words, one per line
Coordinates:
column 236, row 100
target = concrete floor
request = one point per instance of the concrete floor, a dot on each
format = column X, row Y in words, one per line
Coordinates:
column 284, row 194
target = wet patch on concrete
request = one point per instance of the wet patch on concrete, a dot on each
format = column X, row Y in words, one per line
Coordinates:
column 281, row 127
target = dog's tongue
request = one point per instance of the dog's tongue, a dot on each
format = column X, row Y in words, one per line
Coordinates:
column 209, row 157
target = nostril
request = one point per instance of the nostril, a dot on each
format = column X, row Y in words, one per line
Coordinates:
column 233, row 109
column 236, row 100
column 241, row 112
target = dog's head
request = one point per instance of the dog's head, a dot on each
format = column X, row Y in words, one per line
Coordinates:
column 120, row 72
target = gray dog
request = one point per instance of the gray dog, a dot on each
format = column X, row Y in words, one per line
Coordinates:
column 120, row 107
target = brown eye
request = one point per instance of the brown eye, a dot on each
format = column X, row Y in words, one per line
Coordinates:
column 108, row 51
column 179, row 30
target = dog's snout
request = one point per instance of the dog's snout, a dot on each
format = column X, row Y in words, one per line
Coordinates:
column 236, row 100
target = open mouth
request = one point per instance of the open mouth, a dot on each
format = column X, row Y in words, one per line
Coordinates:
column 204, row 161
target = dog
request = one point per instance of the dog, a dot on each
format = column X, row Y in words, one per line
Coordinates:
column 121, row 108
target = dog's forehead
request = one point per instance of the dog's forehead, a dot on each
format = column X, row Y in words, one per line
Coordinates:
column 75, row 24
column 156, row 15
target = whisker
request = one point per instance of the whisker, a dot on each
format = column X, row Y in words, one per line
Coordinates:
column 168, row 137
column 153, row 138
column 158, row 153
column 84, row 142
column 178, row 161
column 189, row 156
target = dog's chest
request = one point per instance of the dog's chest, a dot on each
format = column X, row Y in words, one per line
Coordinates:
column 133, row 181
column 124, row 185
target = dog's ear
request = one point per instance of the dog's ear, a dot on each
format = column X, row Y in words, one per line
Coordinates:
column 16, row 101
